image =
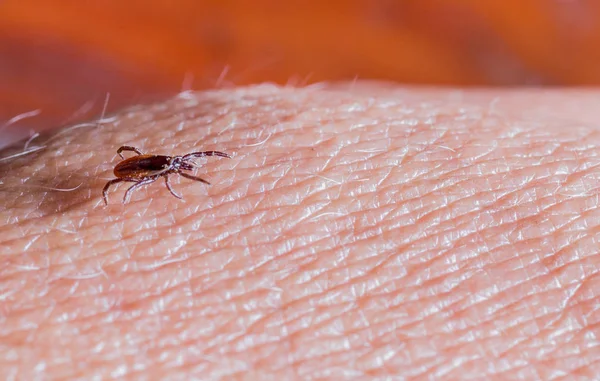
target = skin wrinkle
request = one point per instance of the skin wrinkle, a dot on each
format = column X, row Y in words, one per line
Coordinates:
column 444, row 226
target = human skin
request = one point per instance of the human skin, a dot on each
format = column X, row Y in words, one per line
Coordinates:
column 360, row 231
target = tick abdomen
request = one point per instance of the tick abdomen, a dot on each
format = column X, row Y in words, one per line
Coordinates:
column 142, row 166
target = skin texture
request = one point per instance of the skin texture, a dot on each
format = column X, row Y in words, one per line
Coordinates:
column 359, row 231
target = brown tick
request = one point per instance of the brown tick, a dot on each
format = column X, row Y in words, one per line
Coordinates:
column 145, row 169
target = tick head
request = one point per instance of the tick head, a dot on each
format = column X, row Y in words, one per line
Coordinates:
column 175, row 162
column 178, row 163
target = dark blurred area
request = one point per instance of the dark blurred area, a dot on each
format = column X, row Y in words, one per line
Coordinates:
column 63, row 57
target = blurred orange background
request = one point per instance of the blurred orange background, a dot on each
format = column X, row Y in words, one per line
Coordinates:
column 62, row 57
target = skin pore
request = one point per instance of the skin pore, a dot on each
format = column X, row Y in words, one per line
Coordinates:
column 359, row 231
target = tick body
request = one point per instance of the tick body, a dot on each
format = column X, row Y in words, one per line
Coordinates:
column 145, row 169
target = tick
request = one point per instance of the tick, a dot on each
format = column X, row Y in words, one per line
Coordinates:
column 144, row 169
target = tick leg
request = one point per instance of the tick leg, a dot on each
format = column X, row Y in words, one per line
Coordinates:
column 171, row 189
column 205, row 153
column 194, row 178
column 105, row 190
column 136, row 186
column 128, row 148
column 111, row 182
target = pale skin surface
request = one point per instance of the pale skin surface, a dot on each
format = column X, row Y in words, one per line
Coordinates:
column 359, row 230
